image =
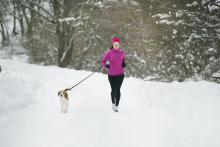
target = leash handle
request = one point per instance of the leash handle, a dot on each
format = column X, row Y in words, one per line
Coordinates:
column 68, row 89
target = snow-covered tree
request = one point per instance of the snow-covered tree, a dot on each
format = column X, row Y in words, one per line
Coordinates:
column 189, row 38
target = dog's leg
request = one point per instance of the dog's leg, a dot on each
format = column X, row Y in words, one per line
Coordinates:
column 64, row 105
column 64, row 110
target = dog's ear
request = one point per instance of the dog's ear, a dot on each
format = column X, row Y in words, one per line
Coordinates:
column 66, row 95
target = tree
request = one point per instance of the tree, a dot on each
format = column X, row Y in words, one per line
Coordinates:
column 3, row 29
column 63, row 29
column 189, row 36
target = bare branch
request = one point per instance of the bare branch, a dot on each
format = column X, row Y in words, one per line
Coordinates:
column 36, row 4
column 52, row 21
column 10, row 13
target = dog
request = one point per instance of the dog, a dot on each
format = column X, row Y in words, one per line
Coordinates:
column 64, row 100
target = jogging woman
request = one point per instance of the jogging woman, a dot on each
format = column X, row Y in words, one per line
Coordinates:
column 114, row 62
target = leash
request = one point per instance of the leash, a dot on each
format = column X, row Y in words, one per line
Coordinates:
column 68, row 89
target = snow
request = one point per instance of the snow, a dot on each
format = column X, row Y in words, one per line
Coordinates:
column 124, row 2
column 133, row 2
column 217, row 74
column 162, row 16
column 211, row 50
column 112, row 1
column 165, row 22
column 204, row 2
column 179, row 14
column 151, row 114
column 67, row 19
column 213, row 7
column 14, row 51
column 195, row 3
column 174, row 31
column 99, row 4
column 191, row 37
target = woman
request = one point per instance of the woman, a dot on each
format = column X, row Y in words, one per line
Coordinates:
column 114, row 61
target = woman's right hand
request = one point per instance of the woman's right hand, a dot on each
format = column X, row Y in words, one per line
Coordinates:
column 107, row 66
column 104, row 70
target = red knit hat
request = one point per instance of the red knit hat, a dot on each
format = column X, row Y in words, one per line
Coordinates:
column 116, row 39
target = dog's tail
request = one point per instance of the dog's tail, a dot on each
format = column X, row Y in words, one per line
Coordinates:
column 67, row 89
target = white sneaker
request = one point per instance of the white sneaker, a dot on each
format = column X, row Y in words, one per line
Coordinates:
column 113, row 107
column 116, row 109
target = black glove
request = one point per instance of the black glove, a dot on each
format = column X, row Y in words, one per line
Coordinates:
column 107, row 66
column 123, row 64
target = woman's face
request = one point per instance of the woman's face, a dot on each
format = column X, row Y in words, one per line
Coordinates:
column 116, row 45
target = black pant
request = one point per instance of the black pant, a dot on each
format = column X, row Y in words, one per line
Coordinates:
column 115, row 82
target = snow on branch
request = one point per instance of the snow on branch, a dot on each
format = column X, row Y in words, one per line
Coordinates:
column 67, row 49
column 195, row 3
column 67, row 19
column 162, row 16
column 213, row 8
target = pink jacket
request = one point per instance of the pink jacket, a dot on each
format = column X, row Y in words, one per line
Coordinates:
column 115, row 57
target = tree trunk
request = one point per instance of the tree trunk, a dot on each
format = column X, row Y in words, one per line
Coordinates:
column 14, row 23
column 63, row 31
column 31, row 20
column 21, row 15
column 22, row 26
column 23, row 9
column 5, row 35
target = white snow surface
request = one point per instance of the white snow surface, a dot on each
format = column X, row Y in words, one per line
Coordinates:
column 150, row 114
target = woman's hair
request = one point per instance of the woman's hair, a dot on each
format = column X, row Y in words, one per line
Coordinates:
column 111, row 47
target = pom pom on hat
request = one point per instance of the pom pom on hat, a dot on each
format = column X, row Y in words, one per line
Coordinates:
column 116, row 39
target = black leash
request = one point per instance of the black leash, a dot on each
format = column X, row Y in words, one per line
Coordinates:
column 83, row 79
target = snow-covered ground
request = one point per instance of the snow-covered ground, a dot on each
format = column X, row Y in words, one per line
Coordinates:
column 151, row 114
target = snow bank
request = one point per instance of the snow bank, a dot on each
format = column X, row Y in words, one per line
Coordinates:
column 150, row 113
column 16, row 90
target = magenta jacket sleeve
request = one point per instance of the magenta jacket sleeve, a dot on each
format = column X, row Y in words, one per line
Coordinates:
column 105, row 58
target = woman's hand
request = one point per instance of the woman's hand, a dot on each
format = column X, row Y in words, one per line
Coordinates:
column 123, row 64
column 107, row 66
column 104, row 70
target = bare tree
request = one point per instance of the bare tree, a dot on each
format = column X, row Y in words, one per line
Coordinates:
column 3, row 29
column 62, row 10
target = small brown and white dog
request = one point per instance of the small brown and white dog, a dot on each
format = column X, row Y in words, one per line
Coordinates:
column 64, row 98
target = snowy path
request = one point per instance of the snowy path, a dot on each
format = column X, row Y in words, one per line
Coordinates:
column 151, row 114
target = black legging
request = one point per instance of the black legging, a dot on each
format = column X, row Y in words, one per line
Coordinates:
column 115, row 82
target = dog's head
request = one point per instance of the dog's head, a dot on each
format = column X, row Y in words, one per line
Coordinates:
column 63, row 94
